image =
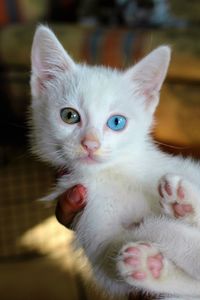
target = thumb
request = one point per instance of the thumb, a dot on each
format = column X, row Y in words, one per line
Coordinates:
column 69, row 203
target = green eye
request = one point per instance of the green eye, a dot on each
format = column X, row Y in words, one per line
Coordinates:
column 70, row 115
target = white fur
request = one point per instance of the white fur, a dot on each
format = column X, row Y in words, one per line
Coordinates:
column 122, row 184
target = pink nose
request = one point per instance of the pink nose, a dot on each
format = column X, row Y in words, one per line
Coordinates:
column 90, row 143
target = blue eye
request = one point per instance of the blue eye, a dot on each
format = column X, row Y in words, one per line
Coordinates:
column 116, row 122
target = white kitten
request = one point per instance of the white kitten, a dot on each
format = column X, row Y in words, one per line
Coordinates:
column 95, row 121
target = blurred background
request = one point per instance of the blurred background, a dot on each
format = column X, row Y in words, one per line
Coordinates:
column 37, row 260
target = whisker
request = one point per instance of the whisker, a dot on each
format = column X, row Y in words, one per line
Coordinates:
column 170, row 146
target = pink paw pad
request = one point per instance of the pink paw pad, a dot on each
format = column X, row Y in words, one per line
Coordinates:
column 142, row 263
column 132, row 250
column 167, row 188
column 172, row 192
column 181, row 210
column 180, row 192
column 155, row 265
column 139, row 275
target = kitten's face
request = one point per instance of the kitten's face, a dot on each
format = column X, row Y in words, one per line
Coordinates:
column 90, row 116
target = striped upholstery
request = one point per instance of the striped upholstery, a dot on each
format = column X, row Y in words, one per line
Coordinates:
column 12, row 11
column 9, row 12
column 115, row 48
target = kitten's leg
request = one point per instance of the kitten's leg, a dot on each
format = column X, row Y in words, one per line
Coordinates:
column 177, row 241
column 180, row 198
column 142, row 265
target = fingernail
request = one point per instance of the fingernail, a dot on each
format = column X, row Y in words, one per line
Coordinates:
column 75, row 197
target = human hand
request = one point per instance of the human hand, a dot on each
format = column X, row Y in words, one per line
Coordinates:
column 70, row 203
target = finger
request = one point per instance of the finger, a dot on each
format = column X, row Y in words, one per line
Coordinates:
column 72, row 201
column 64, row 219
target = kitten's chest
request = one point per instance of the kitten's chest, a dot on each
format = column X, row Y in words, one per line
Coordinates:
column 113, row 202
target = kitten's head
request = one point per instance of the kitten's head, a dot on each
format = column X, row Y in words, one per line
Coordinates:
column 90, row 116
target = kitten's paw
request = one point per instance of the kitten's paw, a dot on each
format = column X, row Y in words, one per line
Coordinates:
column 179, row 198
column 141, row 264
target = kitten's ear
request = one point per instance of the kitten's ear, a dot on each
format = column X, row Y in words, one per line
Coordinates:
column 148, row 75
column 48, row 57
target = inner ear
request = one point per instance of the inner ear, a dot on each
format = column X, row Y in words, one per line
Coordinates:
column 148, row 74
column 48, row 57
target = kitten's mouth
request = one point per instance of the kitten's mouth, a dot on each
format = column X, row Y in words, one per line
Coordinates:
column 89, row 159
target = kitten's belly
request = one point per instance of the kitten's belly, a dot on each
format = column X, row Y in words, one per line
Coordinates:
column 113, row 204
